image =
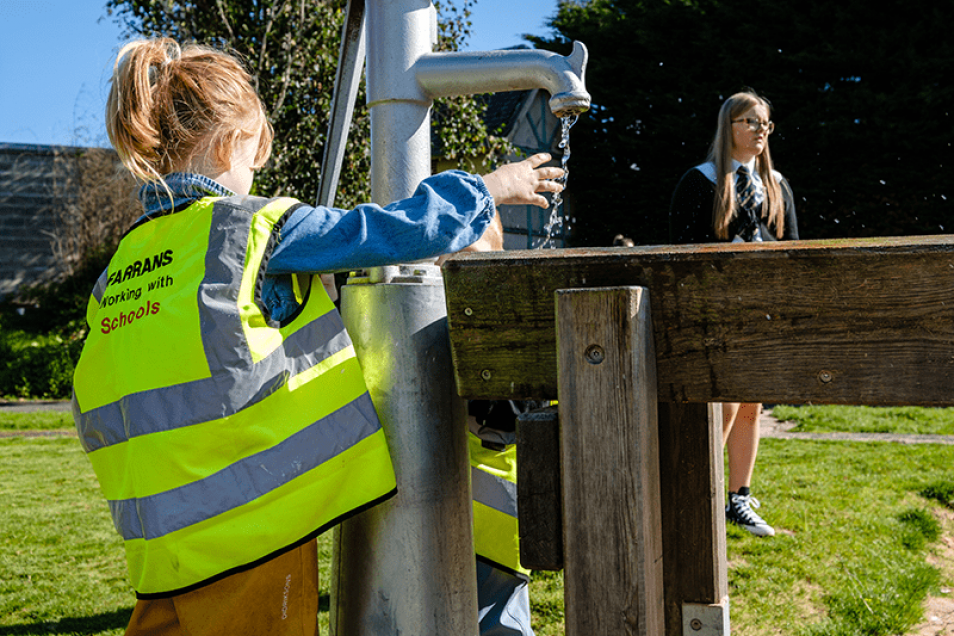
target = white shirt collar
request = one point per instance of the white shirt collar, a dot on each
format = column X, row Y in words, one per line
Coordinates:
column 750, row 165
column 708, row 169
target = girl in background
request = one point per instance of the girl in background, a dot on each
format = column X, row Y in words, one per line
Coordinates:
column 736, row 195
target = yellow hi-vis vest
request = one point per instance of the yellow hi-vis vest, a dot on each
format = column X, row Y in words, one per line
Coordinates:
column 493, row 475
column 220, row 438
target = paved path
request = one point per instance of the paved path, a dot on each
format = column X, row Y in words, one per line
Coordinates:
column 771, row 427
column 34, row 405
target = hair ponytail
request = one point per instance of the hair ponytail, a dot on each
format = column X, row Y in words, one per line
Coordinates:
column 130, row 123
column 169, row 106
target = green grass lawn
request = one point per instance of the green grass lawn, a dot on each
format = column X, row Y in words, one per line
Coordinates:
column 853, row 538
column 851, row 555
column 37, row 421
column 61, row 565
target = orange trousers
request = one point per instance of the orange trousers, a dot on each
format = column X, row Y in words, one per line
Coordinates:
column 279, row 597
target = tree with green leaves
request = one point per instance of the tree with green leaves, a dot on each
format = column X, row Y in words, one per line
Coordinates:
column 291, row 47
column 859, row 95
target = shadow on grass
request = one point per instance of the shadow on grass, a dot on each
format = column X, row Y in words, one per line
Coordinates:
column 117, row 619
column 98, row 623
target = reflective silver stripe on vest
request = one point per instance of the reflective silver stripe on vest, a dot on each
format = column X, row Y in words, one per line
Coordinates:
column 248, row 479
column 212, row 398
column 494, row 492
column 100, row 287
column 218, row 311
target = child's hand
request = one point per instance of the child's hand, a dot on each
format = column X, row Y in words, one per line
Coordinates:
column 519, row 183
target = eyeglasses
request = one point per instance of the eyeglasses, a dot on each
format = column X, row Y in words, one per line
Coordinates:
column 755, row 125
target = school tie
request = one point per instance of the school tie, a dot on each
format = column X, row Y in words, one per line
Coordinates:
column 745, row 189
column 750, row 204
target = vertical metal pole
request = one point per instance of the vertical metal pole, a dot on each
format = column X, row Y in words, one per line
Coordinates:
column 399, row 33
column 406, row 566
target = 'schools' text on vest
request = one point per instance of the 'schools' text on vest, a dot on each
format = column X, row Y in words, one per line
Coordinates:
column 127, row 318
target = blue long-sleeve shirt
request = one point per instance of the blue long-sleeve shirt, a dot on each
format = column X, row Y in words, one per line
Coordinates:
column 446, row 213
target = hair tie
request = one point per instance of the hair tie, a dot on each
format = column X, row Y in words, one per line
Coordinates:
column 171, row 53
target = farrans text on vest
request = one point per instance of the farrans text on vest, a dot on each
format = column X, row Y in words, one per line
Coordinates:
column 138, row 268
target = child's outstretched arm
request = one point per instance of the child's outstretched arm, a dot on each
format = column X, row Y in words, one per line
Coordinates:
column 519, row 183
column 446, row 213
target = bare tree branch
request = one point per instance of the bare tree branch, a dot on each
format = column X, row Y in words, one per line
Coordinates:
column 225, row 20
column 288, row 44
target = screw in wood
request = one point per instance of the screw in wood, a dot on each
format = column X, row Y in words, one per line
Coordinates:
column 468, row 311
column 825, row 376
column 594, row 354
column 486, row 374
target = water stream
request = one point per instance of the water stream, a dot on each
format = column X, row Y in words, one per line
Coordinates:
column 555, row 222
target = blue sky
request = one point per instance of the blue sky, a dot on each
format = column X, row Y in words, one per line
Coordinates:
column 56, row 57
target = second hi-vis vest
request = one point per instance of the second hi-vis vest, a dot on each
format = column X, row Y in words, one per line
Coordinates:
column 220, row 438
column 493, row 476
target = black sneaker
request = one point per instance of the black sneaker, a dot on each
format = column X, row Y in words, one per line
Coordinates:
column 739, row 511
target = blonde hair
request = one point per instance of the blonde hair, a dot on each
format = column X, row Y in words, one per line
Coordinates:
column 720, row 153
column 170, row 106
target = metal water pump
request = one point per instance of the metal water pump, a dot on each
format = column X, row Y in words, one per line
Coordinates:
column 407, row 566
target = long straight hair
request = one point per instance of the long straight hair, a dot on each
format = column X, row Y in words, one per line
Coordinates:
column 724, row 206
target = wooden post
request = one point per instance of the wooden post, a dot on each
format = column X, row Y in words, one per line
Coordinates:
column 613, row 581
column 539, row 494
column 693, row 516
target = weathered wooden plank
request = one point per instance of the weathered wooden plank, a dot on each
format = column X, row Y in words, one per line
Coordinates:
column 610, row 461
column 693, row 516
column 852, row 321
column 539, row 492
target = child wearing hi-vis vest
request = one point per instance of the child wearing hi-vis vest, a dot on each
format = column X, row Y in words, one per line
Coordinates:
column 218, row 396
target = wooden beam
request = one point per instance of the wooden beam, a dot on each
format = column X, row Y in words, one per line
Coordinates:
column 851, row 321
column 613, row 579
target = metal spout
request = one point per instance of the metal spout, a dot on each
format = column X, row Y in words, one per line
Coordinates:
column 466, row 73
